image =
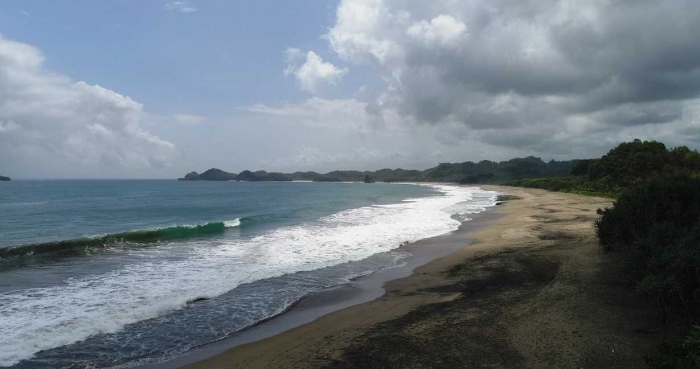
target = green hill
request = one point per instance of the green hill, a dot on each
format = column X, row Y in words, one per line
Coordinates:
column 466, row 172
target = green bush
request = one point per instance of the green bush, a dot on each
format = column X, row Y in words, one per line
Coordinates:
column 657, row 226
column 633, row 162
column 683, row 352
column 627, row 165
column 573, row 184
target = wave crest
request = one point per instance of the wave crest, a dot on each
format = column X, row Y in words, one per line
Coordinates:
column 80, row 246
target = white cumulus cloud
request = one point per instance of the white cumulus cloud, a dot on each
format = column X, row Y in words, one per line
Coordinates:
column 556, row 77
column 45, row 117
column 313, row 74
column 443, row 30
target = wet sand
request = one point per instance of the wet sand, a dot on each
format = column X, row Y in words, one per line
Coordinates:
column 522, row 286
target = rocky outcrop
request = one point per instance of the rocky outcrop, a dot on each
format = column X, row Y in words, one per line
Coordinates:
column 191, row 176
column 212, row 174
column 2, row 178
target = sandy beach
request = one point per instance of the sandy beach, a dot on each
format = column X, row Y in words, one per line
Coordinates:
column 528, row 289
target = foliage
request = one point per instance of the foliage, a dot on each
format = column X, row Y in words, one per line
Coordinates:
column 396, row 175
column 262, row 175
column 625, row 166
column 341, row 176
column 478, row 178
column 487, row 171
column 637, row 161
column 683, row 352
column 582, row 167
column 656, row 225
column 468, row 172
column 212, row 174
column 304, row 176
column 572, row 184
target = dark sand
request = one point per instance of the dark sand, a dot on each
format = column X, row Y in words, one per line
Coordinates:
column 531, row 290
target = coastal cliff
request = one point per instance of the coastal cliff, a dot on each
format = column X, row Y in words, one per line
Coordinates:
column 3, row 178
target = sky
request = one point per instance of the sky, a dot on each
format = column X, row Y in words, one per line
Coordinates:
column 159, row 88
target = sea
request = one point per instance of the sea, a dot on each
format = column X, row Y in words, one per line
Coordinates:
column 123, row 273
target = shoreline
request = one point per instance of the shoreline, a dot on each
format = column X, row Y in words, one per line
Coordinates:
column 532, row 290
column 361, row 290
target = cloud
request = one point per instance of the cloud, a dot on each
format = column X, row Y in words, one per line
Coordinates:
column 337, row 114
column 47, row 118
column 545, row 76
column 310, row 158
column 314, row 74
column 188, row 118
column 329, row 134
column 180, row 7
column 443, row 30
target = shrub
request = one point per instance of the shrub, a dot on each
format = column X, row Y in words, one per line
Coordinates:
column 657, row 226
column 683, row 352
column 573, row 184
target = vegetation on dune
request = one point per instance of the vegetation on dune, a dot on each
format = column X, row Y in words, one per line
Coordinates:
column 682, row 352
column 624, row 167
column 572, row 184
column 656, row 226
column 635, row 162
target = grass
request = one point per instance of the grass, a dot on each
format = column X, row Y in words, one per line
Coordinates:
column 571, row 184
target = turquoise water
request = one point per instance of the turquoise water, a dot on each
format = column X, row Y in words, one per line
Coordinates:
column 44, row 211
column 122, row 273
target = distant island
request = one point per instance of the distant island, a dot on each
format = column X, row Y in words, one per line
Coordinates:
column 482, row 172
column 3, row 178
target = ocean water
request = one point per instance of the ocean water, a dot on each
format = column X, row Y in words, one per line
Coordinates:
column 115, row 274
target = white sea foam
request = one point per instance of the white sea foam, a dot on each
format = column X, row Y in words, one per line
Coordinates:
column 44, row 318
column 232, row 223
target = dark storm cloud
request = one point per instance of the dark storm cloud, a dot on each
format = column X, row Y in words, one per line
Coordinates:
column 494, row 79
column 532, row 73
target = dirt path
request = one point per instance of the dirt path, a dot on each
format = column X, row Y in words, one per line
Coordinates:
column 534, row 291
